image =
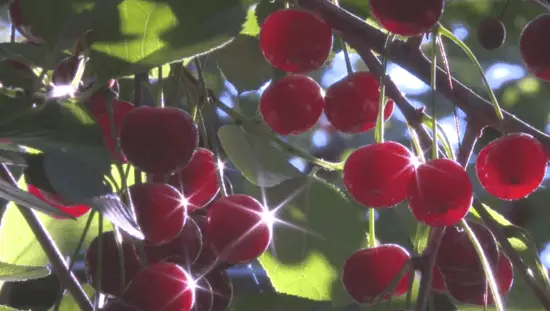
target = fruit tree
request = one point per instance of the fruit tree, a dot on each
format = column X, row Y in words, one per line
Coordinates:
column 341, row 154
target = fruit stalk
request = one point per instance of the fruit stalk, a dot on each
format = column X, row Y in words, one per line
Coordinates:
column 66, row 277
column 411, row 58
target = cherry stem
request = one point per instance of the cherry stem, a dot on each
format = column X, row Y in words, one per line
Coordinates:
column 379, row 129
column 472, row 133
column 66, row 277
column 433, row 77
column 160, row 82
column 430, row 253
column 372, row 227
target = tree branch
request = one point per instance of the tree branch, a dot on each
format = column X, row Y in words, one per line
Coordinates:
column 67, row 278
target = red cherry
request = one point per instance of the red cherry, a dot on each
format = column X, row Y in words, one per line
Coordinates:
column 440, row 193
column 65, row 71
column 120, row 111
column 222, row 289
column 534, row 46
column 407, row 18
column 292, row 105
column 111, row 275
column 158, row 140
column 198, row 180
column 208, row 258
column 512, row 166
column 161, row 286
column 480, row 293
column 56, row 201
column 466, row 267
column 377, row 175
column 368, row 272
column 236, row 228
column 491, row 33
column 204, row 296
column 183, row 250
column 438, row 282
column 295, row 41
column 159, row 211
column 351, row 104
column 119, row 305
column 19, row 22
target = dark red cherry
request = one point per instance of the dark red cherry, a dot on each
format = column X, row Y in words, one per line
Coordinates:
column 377, row 175
column 159, row 211
column 198, row 181
column 295, row 41
column 158, row 140
column 119, row 305
column 111, row 276
column 236, row 228
column 351, row 104
column 183, row 250
column 208, row 258
column 222, row 289
column 19, row 22
column 491, row 33
column 438, row 282
column 407, row 18
column 204, row 295
column 368, row 272
column 466, row 267
column 511, row 167
column 161, row 286
column 65, row 71
column 480, row 293
column 292, row 105
column 120, row 111
column 534, row 46
column 56, row 201
column 440, row 193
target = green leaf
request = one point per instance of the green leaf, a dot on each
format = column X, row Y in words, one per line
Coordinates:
column 243, row 63
column 260, row 162
column 28, row 53
column 517, row 244
column 326, row 228
column 136, row 35
column 16, row 77
column 11, row 272
column 69, row 304
column 6, row 308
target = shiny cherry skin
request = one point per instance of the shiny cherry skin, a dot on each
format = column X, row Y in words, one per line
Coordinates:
column 56, row 201
column 351, row 104
column 183, row 250
column 18, row 20
column 120, row 111
column 292, row 105
column 534, row 46
column 111, row 276
column 158, row 140
column 295, row 41
column 236, row 228
column 159, row 211
column 367, row 273
column 161, row 286
column 204, row 295
column 511, row 167
column 377, row 175
column 491, row 33
column 222, row 289
column 198, row 181
column 438, row 282
column 208, row 258
column 440, row 193
column 407, row 18
column 65, row 71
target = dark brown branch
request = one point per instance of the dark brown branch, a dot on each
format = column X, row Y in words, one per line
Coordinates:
column 66, row 277
column 411, row 58
column 472, row 133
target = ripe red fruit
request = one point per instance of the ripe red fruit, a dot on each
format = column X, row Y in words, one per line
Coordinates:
column 65, row 71
column 292, row 104
column 120, row 111
column 158, row 140
column 438, row 282
column 111, row 275
column 351, row 104
column 222, row 289
column 480, row 293
column 19, row 22
column 377, row 175
column 367, row 273
column 295, row 41
column 204, row 296
column 119, row 305
column 161, row 286
column 466, row 267
column 534, row 45
column 236, row 228
column 183, row 250
column 208, row 259
column 56, row 201
column 159, row 211
column 407, row 18
column 198, row 181
column 491, row 33
column 440, row 193
column 512, row 166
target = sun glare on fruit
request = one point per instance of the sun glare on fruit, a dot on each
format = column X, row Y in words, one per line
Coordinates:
column 62, row 91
